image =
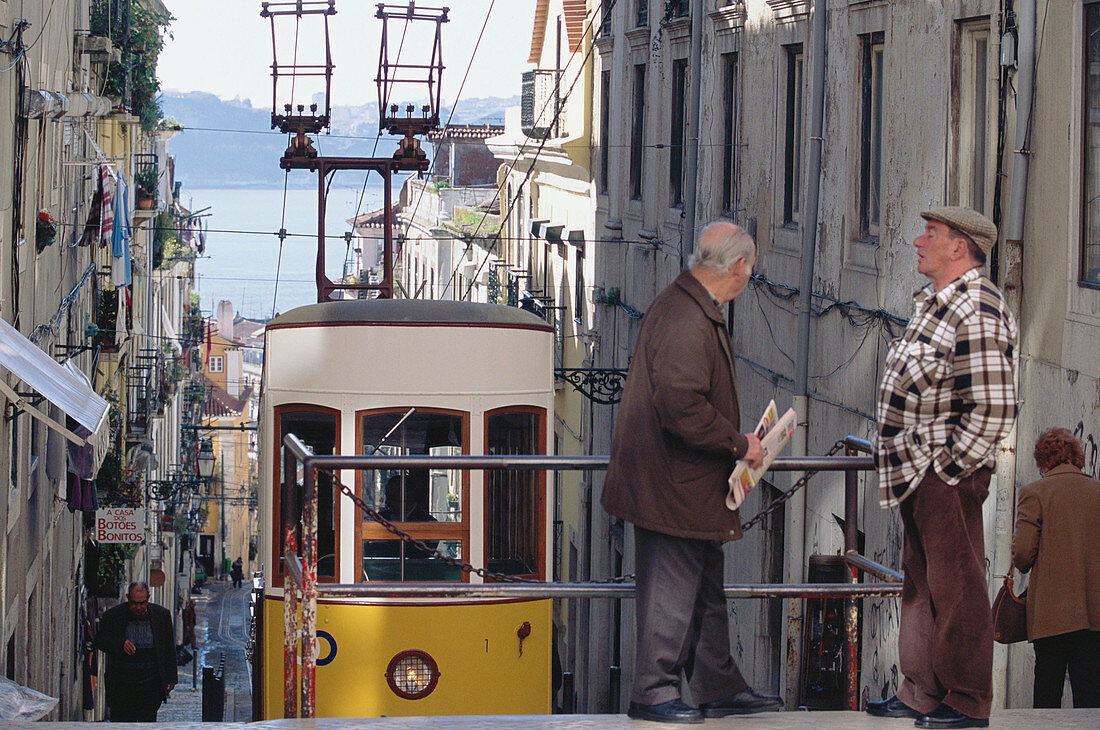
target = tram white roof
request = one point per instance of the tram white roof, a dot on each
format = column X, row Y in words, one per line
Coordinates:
column 408, row 311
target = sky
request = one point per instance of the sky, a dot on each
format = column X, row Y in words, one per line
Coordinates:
column 224, row 47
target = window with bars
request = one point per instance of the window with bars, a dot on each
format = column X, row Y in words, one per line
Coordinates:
column 605, row 129
column 637, row 133
column 1090, row 203
column 676, row 141
column 728, row 171
column 792, row 133
column 870, row 158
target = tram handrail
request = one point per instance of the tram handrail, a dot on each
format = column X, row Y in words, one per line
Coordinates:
column 302, row 587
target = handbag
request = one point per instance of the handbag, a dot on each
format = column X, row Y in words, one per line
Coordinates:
column 1009, row 614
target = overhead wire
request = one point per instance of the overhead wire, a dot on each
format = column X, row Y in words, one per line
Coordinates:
column 454, row 108
column 542, row 144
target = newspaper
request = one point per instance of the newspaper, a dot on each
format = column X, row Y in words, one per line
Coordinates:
column 774, row 432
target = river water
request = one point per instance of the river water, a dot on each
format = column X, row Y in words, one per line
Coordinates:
column 242, row 260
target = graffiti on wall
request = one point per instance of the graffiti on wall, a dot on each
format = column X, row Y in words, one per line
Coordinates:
column 1088, row 442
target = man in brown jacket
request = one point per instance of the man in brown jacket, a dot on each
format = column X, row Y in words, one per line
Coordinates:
column 1058, row 540
column 677, row 438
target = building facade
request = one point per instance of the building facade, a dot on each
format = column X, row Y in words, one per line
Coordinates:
column 705, row 110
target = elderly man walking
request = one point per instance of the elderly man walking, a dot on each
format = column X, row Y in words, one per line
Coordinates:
column 139, row 642
column 677, row 438
column 946, row 399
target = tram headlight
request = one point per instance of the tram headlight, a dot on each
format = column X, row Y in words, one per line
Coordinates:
column 412, row 674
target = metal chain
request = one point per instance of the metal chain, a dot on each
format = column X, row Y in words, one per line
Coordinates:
column 420, row 544
column 504, row 577
column 789, row 493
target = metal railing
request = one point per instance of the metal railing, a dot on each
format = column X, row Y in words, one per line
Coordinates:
column 301, row 587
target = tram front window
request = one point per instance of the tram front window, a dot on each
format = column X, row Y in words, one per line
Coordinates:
column 425, row 503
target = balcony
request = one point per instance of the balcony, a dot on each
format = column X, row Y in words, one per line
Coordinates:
column 541, row 98
column 146, row 183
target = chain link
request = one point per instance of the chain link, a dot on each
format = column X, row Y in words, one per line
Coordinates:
column 789, row 493
column 504, row 577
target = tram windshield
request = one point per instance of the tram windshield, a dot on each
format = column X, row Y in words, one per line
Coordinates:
column 426, row 503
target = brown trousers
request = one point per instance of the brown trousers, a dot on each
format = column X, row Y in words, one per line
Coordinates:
column 946, row 637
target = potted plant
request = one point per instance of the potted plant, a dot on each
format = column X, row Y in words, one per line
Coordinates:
column 146, row 181
column 45, row 230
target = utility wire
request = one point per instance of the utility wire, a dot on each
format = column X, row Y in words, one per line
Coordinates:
column 542, row 144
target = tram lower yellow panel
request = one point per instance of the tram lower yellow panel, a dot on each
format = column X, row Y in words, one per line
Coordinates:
column 482, row 669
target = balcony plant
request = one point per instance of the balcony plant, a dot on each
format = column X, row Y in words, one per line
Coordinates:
column 45, row 231
column 141, row 49
column 146, row 181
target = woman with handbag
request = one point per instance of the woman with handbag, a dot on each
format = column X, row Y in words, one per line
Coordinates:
column 1058, row 540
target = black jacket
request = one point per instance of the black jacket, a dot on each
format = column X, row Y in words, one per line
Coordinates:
column 112, row 634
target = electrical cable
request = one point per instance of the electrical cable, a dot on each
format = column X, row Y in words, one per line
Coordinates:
column 454, row 108
column 538, row 151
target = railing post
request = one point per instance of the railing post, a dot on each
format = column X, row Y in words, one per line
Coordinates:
column 851, row 605
column 290, row 590
column 309, row 589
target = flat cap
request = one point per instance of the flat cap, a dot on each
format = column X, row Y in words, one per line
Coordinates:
column 981, row 230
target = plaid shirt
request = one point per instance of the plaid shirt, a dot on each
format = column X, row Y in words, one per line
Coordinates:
column 947, row 395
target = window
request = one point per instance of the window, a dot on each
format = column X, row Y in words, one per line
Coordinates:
column 677, row 8
column 972, row 95
column 216, row 364
column 637, row 133
column 605, row 129
column 605, row 19
column 641, row 13
column 515, row 500
column 318, row 429
column 578, row 307
column 428, row 504
column 792, row 135
column 870, row 156
column 729, row 131
column 676, row 143
column 1090, row 219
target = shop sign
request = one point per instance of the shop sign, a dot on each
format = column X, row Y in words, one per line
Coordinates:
column 120, row 524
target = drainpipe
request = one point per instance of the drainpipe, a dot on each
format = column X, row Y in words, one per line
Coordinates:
column 691, row 131
column 1012, row 281
column 796, row 511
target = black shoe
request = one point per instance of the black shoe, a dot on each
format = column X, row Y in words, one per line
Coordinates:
column 892, row 707
column 671, row 711
column 948, row 716
column 745, row 702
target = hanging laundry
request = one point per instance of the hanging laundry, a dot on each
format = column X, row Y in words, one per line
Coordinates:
column 91, row 226
column 107, row 216
column 120, row 238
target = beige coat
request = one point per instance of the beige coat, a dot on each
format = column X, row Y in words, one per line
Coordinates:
column 677, row 434
column 1058, row 540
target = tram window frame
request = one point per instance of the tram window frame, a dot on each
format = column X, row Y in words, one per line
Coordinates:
column 540, row 488
column 437, row 531
column 280, row 411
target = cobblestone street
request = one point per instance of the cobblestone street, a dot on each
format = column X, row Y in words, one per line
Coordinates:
column 221, row 626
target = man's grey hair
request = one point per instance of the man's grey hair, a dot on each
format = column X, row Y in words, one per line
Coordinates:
column 721, row 245
column 137, row 584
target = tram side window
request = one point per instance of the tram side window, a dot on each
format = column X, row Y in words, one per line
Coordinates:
column 512, row 498
column 423, row 501
column 317, row 431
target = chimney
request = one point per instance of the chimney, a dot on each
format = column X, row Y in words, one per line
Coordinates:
column 225, row 319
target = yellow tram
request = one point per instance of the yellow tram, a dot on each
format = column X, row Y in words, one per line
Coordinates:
column 408, row 377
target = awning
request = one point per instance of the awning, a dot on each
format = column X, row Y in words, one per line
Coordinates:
column 63, row 385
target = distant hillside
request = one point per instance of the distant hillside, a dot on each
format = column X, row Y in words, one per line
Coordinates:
column 228, row 144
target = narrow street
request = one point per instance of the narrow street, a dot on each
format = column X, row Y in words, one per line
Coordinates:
column 221, row 627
